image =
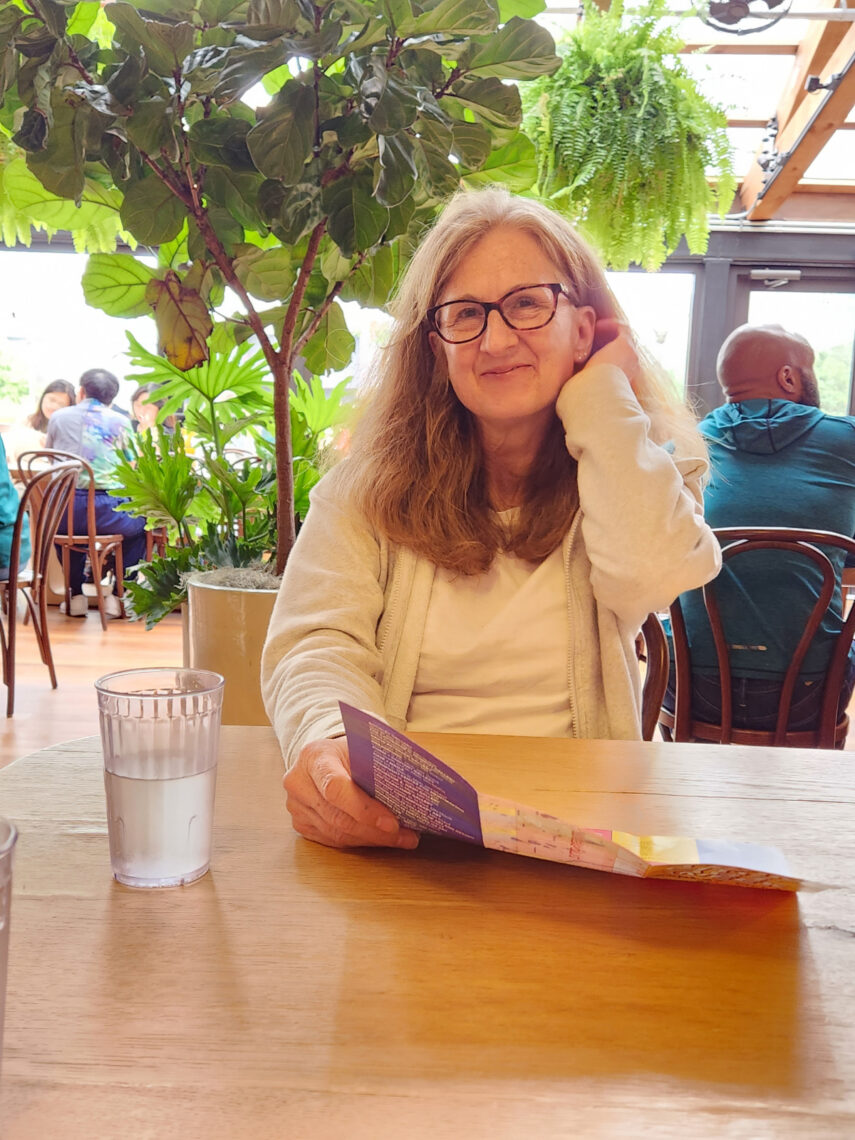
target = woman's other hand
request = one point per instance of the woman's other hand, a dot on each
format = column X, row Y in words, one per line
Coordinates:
column 328, row 807
column 614, row 343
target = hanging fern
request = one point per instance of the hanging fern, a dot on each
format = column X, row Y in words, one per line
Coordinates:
column 626, row 143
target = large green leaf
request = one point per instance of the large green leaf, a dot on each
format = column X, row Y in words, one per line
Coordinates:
column 452, row 17
column 165, row 45
column 150, row 126
column 357, row 220
column 332, row 345
column 228, row 72
column 59, row 166
column 396, row 172
column 371, row 285
column 116, row 283
column 391, row 105
column 521, row 49
column 236, row 191
column 290, row 211
column 151, row 211
column 282, row 141
column 221, row 142
column 495, row 103
column 265, row 273
column 514, row 165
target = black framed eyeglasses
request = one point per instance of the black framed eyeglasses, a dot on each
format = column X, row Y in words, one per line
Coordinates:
column 526, row 307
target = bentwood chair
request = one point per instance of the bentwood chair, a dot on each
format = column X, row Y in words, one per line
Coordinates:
column 45, row 498
column 831, row 728
column 654, row 653
column 97, row 546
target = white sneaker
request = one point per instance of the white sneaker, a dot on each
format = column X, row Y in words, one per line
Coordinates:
column 79, row 606
column 113, row 606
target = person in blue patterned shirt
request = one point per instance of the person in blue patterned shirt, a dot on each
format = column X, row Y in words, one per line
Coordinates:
column 97, row 433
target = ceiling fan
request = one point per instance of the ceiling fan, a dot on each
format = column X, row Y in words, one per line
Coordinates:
column 742, row 17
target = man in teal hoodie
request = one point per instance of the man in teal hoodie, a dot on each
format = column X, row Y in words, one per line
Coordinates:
column 776, row 460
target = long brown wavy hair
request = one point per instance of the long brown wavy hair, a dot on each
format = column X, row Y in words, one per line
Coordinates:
column 416, row 468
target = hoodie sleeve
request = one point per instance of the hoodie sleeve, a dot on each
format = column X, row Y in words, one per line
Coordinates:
column 641, row 509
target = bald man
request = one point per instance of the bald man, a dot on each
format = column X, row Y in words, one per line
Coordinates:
column 776, row 460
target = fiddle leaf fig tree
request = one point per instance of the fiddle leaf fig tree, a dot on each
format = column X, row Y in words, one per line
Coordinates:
column 146, row 115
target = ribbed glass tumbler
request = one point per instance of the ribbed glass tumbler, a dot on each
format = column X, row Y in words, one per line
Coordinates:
column 160, row 731
column 8, row 837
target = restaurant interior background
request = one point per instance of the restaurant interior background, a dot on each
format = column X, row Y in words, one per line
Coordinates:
column 785, row 252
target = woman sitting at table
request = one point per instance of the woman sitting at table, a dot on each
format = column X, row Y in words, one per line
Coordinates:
column 521, row 492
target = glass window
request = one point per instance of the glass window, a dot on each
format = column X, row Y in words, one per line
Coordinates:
column 659, row 308
column 827, row 322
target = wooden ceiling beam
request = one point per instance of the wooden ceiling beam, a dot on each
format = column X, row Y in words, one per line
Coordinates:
column 803, row 136
column 815, row 50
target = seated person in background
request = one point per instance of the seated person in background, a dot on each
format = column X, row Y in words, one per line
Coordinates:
column 94, row 431
column 30, row 435
column 776, row 460
column 9, row 504
column 144, row 407
column 507, row 517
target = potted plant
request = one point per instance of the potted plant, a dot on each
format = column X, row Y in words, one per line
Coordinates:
column 209, row 484
column 627, row 145
column 378, row 112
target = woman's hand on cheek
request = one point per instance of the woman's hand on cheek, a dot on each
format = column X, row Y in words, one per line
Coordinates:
column 328, row 807
column 615, row 344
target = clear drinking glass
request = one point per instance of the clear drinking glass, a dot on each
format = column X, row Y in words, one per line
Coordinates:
column 159, row 731
column 8, row 838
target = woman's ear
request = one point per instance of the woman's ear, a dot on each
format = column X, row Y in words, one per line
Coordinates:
column 435, row 344
column 586, row 324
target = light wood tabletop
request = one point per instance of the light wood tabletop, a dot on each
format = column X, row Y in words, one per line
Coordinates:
column 300, row 992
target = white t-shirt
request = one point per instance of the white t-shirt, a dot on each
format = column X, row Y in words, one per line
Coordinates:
column 495, row 651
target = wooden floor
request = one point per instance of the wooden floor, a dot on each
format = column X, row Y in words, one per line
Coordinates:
column 82, row 652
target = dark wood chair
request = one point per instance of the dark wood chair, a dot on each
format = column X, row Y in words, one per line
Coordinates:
column 653, row 651
column 831, row 728
column 45, row 498
column 97, row 546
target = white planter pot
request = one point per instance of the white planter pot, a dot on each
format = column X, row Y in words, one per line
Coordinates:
column 225, row 632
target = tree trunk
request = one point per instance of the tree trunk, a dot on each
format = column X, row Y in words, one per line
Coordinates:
column 285, row 528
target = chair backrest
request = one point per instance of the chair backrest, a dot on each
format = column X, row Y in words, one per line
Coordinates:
column 30, row 462
column 655, row 674
column 830, row 731
column 46, row 495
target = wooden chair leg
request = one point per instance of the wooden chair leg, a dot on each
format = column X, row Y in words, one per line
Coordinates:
column 40, row 625
column 10, row 654
column 96, row 559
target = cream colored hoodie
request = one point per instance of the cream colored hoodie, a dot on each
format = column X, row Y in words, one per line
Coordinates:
column 350, row 615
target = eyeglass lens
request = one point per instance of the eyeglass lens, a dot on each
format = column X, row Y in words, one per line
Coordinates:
column 528, row 308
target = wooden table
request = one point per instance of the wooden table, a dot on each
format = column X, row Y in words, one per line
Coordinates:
column 298, row 992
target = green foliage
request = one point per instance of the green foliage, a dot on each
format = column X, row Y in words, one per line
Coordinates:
column 833, row 371
column 211, row 482
column 128, row 120
column 626, row 143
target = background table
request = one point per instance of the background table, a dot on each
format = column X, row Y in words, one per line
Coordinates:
column 299, row 992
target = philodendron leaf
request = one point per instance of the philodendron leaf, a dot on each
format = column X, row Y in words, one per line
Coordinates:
column 59, row 165
column 282, row 141
column 471, row 143
column 332, row 345
column 116, row 283
column 151, row 211
column 265, row 273
column 165, row 45
column 356, row 219
column 396, row 174
column 236, row 191
column 521, row 49
column 452, row 17
column 183, row 321
column 514, row 165
column 439, row 175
